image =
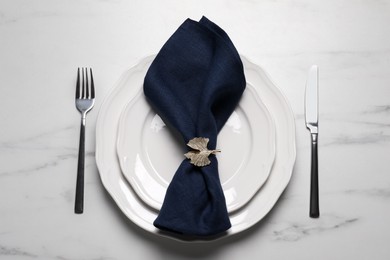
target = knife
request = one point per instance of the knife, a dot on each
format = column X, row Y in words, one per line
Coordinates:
column 311, row 117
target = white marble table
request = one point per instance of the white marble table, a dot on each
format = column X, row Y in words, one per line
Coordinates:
column 43, row 42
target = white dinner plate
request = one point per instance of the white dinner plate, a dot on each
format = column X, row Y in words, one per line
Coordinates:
column 149, row 153
column 142, row 215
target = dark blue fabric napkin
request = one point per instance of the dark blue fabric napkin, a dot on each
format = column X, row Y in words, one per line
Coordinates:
column 194, row 84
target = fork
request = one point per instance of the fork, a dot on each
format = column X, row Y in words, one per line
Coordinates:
column 85, row 99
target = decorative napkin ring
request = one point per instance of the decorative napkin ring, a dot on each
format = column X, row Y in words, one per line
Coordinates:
column 200, row 157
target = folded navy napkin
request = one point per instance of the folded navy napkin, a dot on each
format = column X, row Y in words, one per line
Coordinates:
column 194, row 84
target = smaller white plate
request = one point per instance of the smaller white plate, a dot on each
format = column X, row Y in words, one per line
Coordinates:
column 149, row 153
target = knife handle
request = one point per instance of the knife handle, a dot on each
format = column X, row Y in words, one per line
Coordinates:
column 314, row 198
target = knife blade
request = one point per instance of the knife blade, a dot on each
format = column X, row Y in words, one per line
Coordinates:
column 311, row 117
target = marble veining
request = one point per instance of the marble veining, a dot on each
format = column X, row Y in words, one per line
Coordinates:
column 39, row 143
column 383, row 193
column 9, row 251
column 371, row 138
column 379, row 109
column 37, row 168
column 17, row 252
column 296, row 231
column 93, row 258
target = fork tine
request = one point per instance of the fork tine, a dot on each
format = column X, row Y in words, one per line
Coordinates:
column 92, row 86
column 78, row 84
column 83, row 89
column 86, row 85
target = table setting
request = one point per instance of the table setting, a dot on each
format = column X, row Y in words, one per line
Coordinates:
column 207, row 134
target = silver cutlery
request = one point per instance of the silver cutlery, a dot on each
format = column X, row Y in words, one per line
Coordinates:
column 85, row 99
column 311, row 117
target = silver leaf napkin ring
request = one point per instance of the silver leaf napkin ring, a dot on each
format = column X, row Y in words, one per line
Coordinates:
column 199, row 157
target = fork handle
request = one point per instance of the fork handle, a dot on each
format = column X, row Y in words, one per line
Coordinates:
column 314, row 198
column 79, row 200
